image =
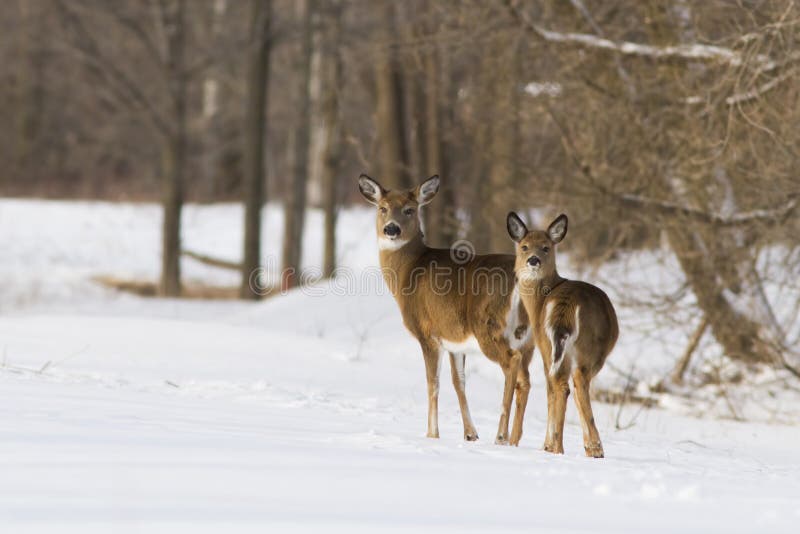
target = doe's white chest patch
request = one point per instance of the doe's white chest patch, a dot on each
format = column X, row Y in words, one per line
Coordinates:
column 384, row 243
column 467, row 346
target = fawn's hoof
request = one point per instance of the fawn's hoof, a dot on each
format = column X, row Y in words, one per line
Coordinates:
column 473, row 436
column 595, row 450
column 554, row 448
column 501, row 440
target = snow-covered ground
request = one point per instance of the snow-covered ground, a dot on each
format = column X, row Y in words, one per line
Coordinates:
column 306, row 412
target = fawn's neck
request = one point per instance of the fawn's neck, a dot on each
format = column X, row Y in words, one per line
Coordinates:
column 535, row 291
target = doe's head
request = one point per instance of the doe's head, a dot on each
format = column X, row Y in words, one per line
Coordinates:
column 536, row 249
column 397, row 217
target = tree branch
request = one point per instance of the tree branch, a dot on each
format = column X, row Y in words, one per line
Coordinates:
column 623, row 74
column 753, row 94
column 121, row 85
column 772, row 215
column 682, row 52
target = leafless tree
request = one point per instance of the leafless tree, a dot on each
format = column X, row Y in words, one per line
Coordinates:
column 295, row 204
column 327, row 46
column 255, row 130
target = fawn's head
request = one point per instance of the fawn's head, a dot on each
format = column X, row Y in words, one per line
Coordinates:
column 397, row 219
column 536, row 249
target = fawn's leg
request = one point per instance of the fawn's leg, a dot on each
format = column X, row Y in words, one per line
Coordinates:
column 591, row 437
column 559, row 391
column 459, row 382
column 432, row 359
column 523, row 389
column 510, row 369
column 548, row 438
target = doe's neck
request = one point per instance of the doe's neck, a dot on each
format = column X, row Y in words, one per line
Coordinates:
column 398, row 252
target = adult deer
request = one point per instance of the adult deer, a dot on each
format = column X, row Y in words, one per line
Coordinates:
column 574, row 327
column 454, row 301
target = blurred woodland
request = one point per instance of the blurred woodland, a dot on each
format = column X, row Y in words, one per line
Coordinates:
column 652, row 123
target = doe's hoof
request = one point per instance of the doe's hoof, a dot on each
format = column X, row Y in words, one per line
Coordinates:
column 471, row 437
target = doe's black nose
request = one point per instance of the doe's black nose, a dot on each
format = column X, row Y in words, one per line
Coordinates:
column 533, row 261
column 392, row 230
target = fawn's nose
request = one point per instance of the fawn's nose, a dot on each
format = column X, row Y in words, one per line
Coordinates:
column 391, row 230
column 533, row 261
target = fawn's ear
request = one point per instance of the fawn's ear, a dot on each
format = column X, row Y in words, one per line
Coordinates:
column 557, row 229
column 371, row 189
column 425, row 192
column 516, row 228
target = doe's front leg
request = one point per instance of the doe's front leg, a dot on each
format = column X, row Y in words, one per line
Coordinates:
column 432, row 360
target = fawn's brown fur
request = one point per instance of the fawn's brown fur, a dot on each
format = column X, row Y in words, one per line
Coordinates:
column 574, row 327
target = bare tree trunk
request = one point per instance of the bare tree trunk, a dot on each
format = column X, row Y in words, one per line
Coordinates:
column 430, row 161
column 295, row 205
column 174, row 151
column 415, row 87
column 415, row 119
column 490, row 192
column 31, row 90
column 739, row 335
column 210, row 114
column 515, row 88
column 709, row 260
column 440, row 216
column 173, row 158
column 390, row 113
column 255, row 134
column 332, row 146
column 476, row 195
column 498, row 191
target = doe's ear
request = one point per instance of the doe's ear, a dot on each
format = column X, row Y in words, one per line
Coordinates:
column 516, row 228
column 427, row 190
column 371, row 189
column 558, row 229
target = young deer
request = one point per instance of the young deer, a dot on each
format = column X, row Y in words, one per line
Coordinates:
column 452, row 302
column 574, row 326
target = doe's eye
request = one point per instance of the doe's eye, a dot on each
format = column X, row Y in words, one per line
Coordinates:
column 545, row 249
column 383, row 210
column 524, row 248
column 408, row 212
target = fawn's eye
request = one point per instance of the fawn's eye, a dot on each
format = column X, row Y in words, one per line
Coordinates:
column 524, row 248
column 383, row 210
column 408, row 212
column 545, row 249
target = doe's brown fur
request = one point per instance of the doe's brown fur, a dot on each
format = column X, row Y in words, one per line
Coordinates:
column 448, row 298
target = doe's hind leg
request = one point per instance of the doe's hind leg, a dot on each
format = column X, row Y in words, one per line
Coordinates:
column 459, row 383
